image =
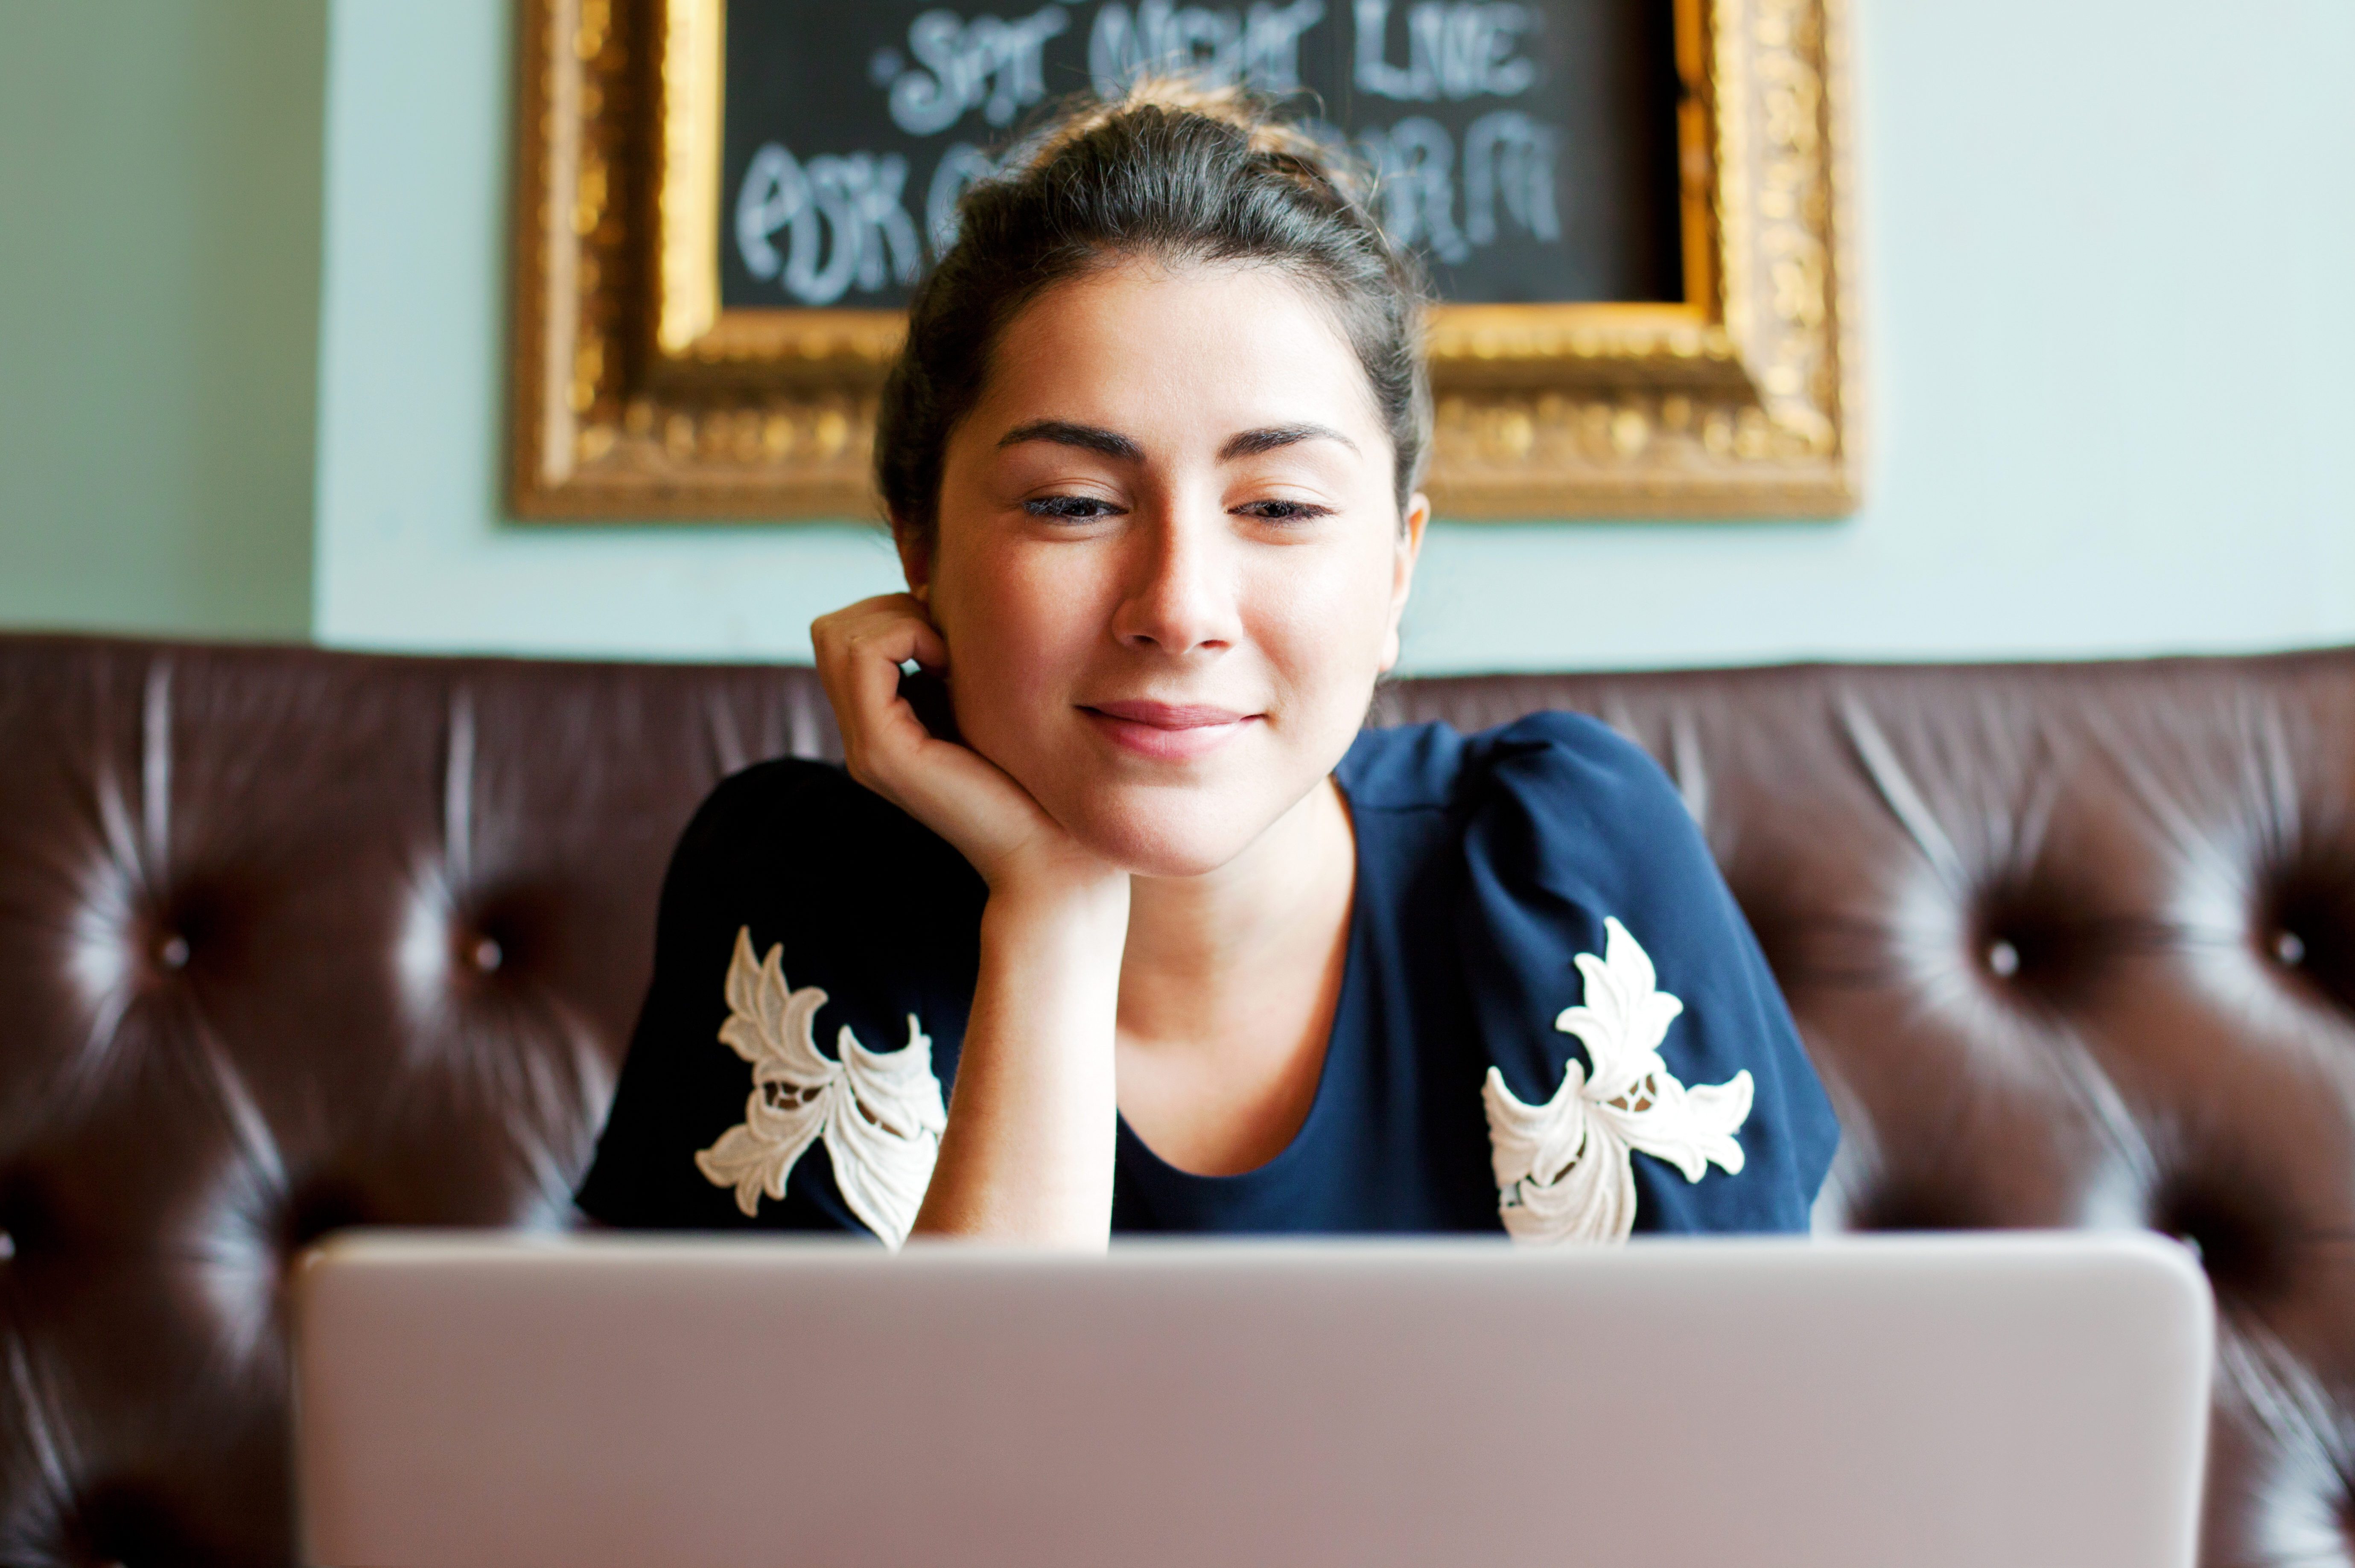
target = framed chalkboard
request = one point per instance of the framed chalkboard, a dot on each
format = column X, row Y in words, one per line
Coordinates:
column 1634, row 211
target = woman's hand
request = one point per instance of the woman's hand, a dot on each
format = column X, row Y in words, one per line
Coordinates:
column 951, row 789
column 1028, row 1156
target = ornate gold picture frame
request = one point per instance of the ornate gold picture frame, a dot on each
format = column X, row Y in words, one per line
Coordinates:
column 636, row 396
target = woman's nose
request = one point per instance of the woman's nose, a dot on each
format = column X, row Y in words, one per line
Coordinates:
column 1181, row 590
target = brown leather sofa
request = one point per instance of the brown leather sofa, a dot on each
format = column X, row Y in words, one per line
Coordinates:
column 292, row 940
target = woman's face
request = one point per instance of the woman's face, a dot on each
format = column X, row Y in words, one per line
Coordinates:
column 1169, row 565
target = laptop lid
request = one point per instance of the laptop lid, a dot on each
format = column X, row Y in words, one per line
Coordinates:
column 614, row 1402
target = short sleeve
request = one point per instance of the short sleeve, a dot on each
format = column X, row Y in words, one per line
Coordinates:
column 801, row 915
column 1596, row 923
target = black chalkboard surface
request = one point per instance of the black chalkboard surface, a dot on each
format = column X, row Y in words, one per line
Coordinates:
column 1528, row 149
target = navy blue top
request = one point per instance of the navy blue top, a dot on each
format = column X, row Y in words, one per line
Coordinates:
column 1485, row 864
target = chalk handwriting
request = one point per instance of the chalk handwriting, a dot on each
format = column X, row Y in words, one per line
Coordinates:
column 1456, row 49
column 988, row 63
column 1259, row 48
column 825, row 227
column 960, row 168
column 1508, row 155
column 845, row 219
column 1509, row 161
column 1416, row 161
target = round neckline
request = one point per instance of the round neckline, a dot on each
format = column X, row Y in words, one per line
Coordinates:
column 1318, row 1102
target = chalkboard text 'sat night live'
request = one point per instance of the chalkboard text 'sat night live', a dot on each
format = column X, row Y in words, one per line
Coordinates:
column 1526, row 150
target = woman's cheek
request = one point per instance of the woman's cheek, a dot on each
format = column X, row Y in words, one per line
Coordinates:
column 1025, row 636
column 1049, row 622
column 1325, row 629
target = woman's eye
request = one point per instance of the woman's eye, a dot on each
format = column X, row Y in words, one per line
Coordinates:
column 1283, row 511
column 1071, row 508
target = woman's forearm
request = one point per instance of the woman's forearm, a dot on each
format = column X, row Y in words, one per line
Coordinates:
column 1028, row 1156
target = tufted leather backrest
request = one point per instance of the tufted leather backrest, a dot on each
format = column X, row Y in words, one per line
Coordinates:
column 291, row 940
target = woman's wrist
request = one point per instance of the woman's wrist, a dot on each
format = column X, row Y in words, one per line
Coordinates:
column 1071, row 926
column 1028, row 1154
column 1077, row 895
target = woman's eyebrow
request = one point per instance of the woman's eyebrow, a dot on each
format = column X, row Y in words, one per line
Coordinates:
column 1088, row 437
column 1111, row 443
column 1251, row 442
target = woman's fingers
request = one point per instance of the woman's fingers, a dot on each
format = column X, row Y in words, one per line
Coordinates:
column 951, row 789
column 859, row 651
column 894, row 627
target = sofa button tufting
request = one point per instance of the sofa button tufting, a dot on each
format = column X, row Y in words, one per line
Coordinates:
column 2131, row 940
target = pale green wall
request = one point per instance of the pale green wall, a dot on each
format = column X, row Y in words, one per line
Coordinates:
column 159, row 288
column 2109, row 246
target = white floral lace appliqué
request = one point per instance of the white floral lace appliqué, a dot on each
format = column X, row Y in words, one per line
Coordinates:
column 1565, row 1169
column 880, row 1113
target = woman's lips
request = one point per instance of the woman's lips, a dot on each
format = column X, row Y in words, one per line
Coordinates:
column 1174, row 731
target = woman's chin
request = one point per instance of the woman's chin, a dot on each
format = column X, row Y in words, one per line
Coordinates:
column 1169, row 832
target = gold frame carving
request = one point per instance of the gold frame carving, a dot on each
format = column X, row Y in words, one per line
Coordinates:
column 636, row 396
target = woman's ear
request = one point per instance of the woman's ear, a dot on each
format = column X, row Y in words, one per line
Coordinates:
column 915, row 561
column 1409, row 550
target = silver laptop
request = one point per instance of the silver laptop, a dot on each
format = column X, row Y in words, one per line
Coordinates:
column 701, row 1402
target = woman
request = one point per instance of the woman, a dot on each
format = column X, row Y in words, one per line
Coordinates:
column 1192, row 950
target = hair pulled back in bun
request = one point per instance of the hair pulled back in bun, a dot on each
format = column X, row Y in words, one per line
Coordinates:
column 1178, row 172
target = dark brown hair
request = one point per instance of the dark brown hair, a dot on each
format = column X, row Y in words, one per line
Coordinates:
column 1171, row 172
